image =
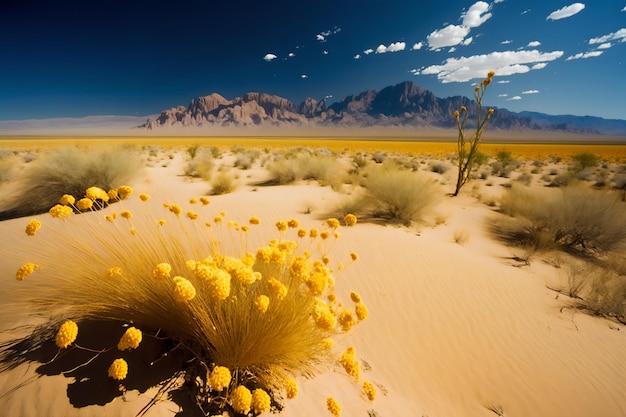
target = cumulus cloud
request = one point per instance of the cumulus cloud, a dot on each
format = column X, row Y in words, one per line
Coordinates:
column 498, row 1
column 606, row 45
column 506, row 42
column 291, row 55
column 585, row 55
column 503, row 63
column 534, row 44
column 539, row 66
column 451, row 35
column 417, row 46
column 303, row 76
column 368, row 51
column 514, row 98
column 620, row 35
column 320, row 37
column 269, row 57
column 393, row 47
column 530, row 92
column 476, row 15
column 566, row 11
column 325, row 52
column 624, row 9
column 357, row 56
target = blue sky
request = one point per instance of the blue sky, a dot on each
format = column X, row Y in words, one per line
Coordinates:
column 72, row 58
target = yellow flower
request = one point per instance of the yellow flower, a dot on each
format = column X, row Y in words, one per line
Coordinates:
column 317, row 283
column 193, row 200
column 241, row 399
column 350, row 363
column 67, row 200
column 205, row 201
column 130, row 339
column 32, row 227
column 463, row 108
column 350, row 219
column 369, row 390
column 260, row 401
column 324, row 235
column 220, row 378
column 291, row 388
column 60, row 211
column 126, row 214
column 162, row 270
column 109, row 218
column 261, row 303
column 361, row 311
column 254, row 220
column 25, row 270
column 218, row 281
column 333, row 223
column 490, row 74
column 279, row 290
column 346, row 320
column 354, row 256
column 67, row 334
column 328, row 343
column 183, row 289
column 333, row 407
column 124, row 192
column 456, row 114
column 133, row 231
column 112, row 194
column 293, row 224
column 96, row 193
column 313, row 233
column 161, row 222
column 192, row 215
column 116, row 271
column 281, row 225
column 302, row 233
column 144, row 197
column 332, row 298
column 490, row 112
column 323, row 317
column 84, row 204
column 118, row 369
column 217, row 219
column 176, row 209
column 355, row 297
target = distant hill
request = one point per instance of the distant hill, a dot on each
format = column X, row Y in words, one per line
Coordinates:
column 401, row 105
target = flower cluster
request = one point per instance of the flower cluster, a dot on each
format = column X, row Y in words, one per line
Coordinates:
column 118, row 369
column 130, row 339
column 67, row 334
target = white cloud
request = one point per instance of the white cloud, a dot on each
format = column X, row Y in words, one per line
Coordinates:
column 585, row 55
column 357, row 56
column 303, row 76
column 476, row 15
column 620, row 35
column 291, row 55
column 503, row 82
column 467, row 41
column 393, row 47
column 503, row 95
column 320, row 37
column 606, row 45
column 566, row 11
column 624, row 9
column 539, row 66
column 452, row 49
column 527, row 11
column 530, row 92
column 503, row 63
column 534, row 44
column 498, row 1
column 506, row 42
column 325, row 52
column 368, row 51
column 269, row 57
column 514, row 98
column 451, row 35
column 417, row 46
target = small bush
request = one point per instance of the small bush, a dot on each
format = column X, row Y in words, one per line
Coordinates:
column 585, row 160
column 201, row 166
column 574, row 217
column 70, row 171
column 440, row 167
column 305, row 166
column 223, row 183
column 607, row 295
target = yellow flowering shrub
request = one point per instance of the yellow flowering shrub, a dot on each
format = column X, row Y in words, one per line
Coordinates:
column 32, row 227
column 67, row 200
column 97, row 193
column 220, row 378
column 84, row 204
column 350, row 363
column 246, row 321
column 118, row 369
column 67, row 334
column 130, row 339
column 361, row 311
column 241, row 399
column 350, row 219
column 369, row 390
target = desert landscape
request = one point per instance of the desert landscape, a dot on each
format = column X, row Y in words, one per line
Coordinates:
column 508, row 299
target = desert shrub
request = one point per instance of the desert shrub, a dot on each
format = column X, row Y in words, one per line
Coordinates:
column 359, row 161
column 440, row 167
column 585, row 160
column 573, row 217
column 393, row 195
column 607, row 295
column 70, row 171
column 524, row 178
column 561, row 180
column 7, row 167
column 201, row 166
column 480, row 158
column 179, row 307
column 192, row 150
column 223, row 183
column 306, row 166
column 379, row 157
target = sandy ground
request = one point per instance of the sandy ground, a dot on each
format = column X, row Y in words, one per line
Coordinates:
column 453, row 330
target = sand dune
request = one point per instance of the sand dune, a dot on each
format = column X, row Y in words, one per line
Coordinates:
column 453, row 330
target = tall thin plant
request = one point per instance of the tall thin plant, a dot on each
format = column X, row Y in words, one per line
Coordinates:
column 467, row 149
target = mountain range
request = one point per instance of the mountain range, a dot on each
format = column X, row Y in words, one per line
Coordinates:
column 401, row 105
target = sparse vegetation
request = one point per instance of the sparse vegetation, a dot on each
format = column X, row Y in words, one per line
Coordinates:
column 201, row 166
column 223, row 183
column 307, row 166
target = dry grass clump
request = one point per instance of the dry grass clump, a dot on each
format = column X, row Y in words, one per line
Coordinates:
column 201, row 165
column 224, row 182
column 575, row 217
column 69, row 170
column 323, row 168
column 390, row 194
column 8, row 163
column 245, row 322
